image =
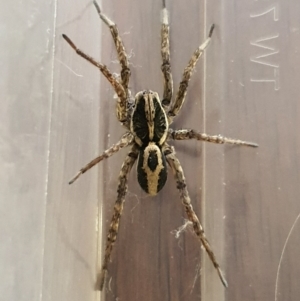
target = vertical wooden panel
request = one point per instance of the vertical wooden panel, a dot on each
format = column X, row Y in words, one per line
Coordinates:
column 26, row 64
column 236, row 91
column 148, row 262
column 49, row 125
column 71, row 218
column 259, row 88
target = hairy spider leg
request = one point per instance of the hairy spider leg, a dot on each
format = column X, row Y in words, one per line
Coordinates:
column 126, row 140
column 186, row 201
column 187, row 73
column 118, row 208
column 187, row 134
column 122, row 99
column 125, row 71
column 165, row 54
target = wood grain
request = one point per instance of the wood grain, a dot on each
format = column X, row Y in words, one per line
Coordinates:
column 58, row 112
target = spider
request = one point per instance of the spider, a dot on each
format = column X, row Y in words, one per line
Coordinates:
column 147, row 119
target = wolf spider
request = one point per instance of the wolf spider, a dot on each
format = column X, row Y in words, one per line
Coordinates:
column 147, row 120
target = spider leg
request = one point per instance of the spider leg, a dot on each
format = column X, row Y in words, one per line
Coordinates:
column 126, row 139
column 187, row 134
column 118, row 208
column 118, row 87
column 165, row 54
column 186, row 201
column 125, row 71
column 187, row 73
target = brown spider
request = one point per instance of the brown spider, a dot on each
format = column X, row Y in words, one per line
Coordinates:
column 147, row 120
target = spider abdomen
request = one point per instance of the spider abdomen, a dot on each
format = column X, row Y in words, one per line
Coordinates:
column 151, row 169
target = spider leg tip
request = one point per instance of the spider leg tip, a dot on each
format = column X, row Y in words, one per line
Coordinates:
column 97, row 6
column 252, row 144
column 225, row 283
column 64, row 36
column 102, row 279
column 222, row 278
column 75, row 178
column 211, row 30
column 69, row 41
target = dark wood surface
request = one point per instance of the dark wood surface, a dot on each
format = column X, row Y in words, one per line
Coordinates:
column 148, row 262
column 245, row 87
column 58, row 112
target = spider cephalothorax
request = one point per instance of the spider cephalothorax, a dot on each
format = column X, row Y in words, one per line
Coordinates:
column 147, row 120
